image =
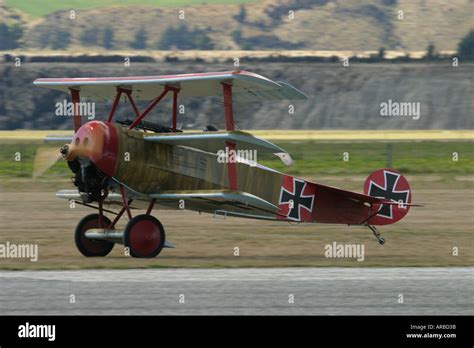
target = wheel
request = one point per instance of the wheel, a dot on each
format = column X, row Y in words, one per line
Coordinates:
column 144, row 236
column 381, row 241
column 89, row 247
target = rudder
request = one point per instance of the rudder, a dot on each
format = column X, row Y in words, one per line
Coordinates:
column 390, row 184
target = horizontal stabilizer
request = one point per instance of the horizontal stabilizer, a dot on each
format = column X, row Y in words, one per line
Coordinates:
column 401, row 204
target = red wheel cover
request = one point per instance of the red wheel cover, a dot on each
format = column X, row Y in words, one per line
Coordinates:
column 144, row 237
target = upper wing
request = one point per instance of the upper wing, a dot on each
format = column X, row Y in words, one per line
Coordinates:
column 246, row 86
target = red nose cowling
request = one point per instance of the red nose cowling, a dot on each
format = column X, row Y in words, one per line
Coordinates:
column 99, row 142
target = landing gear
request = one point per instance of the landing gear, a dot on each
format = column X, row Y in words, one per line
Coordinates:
column 90, row 247
column 377, row 234
column 144, row 236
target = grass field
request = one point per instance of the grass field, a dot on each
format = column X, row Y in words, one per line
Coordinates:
column 30, row 212
column 39, row 8
column 315, row 153
column 426, row 237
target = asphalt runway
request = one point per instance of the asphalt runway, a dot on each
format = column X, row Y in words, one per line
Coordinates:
column 250, row 291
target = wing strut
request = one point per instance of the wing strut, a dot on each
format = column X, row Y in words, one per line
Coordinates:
column 114, row 104
column 145, row 112
column 228, row 109
column 229, row 125
column 156, row 101
column 175, row 107
column 76, row 117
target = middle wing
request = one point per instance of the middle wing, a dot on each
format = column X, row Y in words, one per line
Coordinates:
column 216, row 141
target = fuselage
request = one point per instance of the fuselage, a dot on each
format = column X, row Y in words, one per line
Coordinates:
column 150, row 168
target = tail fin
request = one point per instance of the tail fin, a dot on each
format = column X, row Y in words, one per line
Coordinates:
column 389, row 184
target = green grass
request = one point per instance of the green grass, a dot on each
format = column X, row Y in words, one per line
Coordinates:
column 428, row 157
column 310, row 158
column 10, row 167
column 40, row 8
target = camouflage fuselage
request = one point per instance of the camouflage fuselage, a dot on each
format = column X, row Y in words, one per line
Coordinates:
column 149, row 167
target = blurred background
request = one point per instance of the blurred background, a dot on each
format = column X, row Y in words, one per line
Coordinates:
column 347, row 56
column 396, row 49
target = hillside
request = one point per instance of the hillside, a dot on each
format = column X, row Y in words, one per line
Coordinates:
column 224, row 25
column 339, row 98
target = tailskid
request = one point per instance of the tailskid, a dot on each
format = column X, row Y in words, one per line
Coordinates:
column 376, row 233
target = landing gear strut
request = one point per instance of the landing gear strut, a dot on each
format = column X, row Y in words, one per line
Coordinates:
column 144, row 235
column 377, row 234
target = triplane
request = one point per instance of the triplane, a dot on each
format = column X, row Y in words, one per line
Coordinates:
column 142, row 165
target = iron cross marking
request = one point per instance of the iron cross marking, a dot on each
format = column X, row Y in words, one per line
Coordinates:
column 388, row 192
column 298, row 198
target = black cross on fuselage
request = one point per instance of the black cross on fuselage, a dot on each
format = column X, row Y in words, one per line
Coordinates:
column 388, row 192
column 297, row 198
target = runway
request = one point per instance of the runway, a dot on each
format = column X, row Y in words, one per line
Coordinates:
column 244, row 291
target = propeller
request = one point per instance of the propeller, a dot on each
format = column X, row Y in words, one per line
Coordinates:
column 45, row 158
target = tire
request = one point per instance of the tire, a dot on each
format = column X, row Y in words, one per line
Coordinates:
column 89, row 247
column 144, row 236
